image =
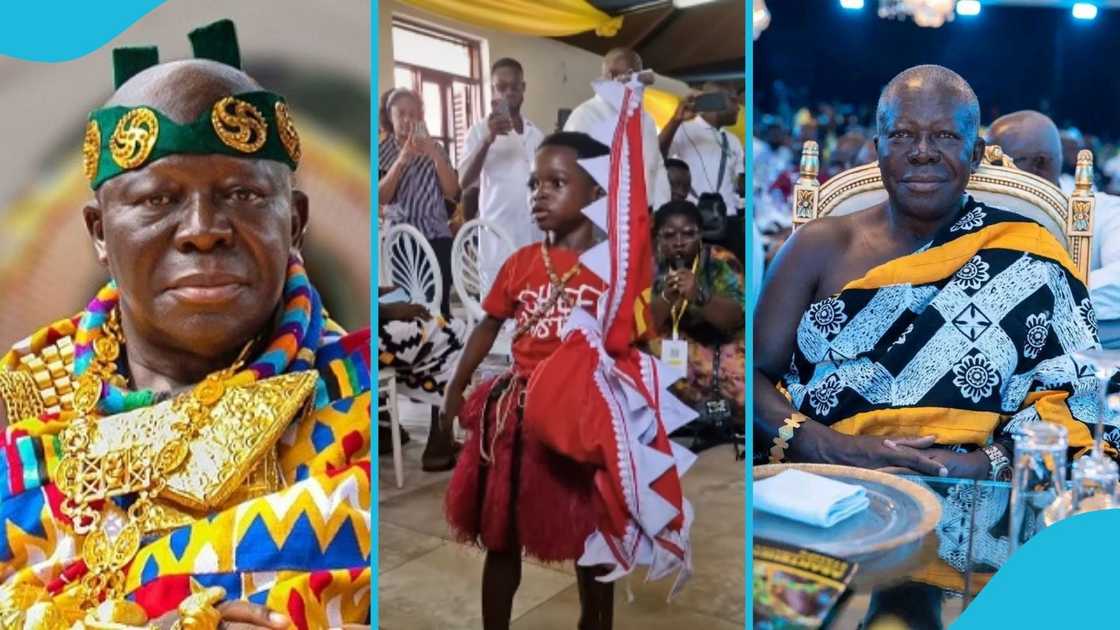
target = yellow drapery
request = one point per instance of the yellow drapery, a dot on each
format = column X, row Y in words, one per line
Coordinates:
column 660, row 104
column 528, row 17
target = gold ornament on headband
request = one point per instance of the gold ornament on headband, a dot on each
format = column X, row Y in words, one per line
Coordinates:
column 134, row 137
column 91, row 149
column 287, row 129
column 239, row 124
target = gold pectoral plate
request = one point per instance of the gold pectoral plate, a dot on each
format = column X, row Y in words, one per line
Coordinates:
column 239, row 435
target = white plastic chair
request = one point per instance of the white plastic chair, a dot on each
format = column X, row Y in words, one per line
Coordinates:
column 387, row 382
column 466, row 269
column 407, row 261
column 410, row 263
column 383, row 227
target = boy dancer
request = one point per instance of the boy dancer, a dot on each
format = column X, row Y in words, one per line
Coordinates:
column 568, row 456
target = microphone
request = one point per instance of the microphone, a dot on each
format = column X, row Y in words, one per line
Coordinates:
column 677, row 263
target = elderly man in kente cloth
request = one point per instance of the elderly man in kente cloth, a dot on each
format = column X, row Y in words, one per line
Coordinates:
column 921, row 332
column 192, row 449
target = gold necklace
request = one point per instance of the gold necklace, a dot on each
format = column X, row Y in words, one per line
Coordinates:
column 102, row 368
column 84, row 478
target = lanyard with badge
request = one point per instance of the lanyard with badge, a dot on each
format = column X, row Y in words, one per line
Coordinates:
column 674, row 352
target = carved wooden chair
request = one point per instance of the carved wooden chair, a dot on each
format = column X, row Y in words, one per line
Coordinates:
column 998, row 183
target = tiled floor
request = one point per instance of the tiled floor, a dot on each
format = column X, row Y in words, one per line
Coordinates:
column 428, row 582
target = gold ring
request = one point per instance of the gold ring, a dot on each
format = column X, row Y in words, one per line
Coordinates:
column 197, row 612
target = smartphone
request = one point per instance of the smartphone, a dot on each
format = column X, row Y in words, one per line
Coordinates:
column 711, row 102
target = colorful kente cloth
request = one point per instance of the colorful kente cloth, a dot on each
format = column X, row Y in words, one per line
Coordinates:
column 966, row 339
column 721, row 273
column 303, row 550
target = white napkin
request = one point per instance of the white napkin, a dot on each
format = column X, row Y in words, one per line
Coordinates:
column 809, row 498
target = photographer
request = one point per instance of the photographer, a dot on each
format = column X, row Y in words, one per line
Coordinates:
column 498, row 158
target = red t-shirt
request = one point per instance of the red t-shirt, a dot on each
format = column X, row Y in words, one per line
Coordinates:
column 522, row 287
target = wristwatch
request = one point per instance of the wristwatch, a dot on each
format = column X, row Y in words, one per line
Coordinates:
column 1001, row 467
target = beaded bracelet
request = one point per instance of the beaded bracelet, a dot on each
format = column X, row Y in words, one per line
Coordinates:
column 785, row 434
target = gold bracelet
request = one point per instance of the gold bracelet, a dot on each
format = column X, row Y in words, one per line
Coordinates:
column 785, row 434
column 21, row 396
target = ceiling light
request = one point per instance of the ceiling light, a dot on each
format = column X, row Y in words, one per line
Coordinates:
column 968, row 7
column 1084, row 11
column 851, row 4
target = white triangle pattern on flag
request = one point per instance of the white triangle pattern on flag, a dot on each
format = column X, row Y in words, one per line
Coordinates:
column 684, row 458
column 597, row 213
column 598, row 260
column 599, row 168
column 612, row 91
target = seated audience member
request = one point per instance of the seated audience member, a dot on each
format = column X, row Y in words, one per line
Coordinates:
column 1071, row 143
column 867, row 153
column 466, row 210
column 424, row 351
column 416, row 177
column 698, row 293
column 922, row 331
column 1034, row 144
column 846, row 154
column 680, row 179
column 619, row 64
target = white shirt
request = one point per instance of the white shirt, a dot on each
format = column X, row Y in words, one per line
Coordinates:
column 595, row 112
column 700, row 145
column 1104, row 263
column 503, row 196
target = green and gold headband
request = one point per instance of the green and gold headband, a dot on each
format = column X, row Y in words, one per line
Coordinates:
column 250, row 124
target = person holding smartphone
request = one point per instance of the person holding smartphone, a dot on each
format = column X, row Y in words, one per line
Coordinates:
column 498, row 157
column 416, row 178
column 696, row 136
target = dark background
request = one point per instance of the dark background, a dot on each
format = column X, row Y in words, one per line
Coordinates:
column 1014, row 58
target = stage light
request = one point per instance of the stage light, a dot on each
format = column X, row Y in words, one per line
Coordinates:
column 968, row 7
column 851, row 4
column 1084, row 11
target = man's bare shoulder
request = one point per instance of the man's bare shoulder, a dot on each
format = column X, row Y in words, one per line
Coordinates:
column 825, row 235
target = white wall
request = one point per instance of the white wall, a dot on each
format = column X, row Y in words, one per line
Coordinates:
column 557, row 75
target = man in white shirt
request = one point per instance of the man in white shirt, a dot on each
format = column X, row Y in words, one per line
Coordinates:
column 596, row 112
column 499, row 156
column 715, row 157
column 1033, row 142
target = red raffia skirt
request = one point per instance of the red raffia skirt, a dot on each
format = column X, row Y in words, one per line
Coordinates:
column 508, row 491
